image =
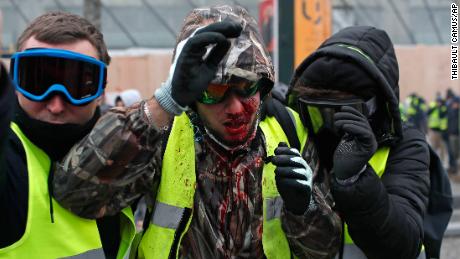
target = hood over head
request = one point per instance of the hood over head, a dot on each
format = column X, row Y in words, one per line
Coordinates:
column 247, row 57
column 360, row 60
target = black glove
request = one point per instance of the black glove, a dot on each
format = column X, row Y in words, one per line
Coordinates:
column 293, row 178
column 357, row 145
column 190, row 73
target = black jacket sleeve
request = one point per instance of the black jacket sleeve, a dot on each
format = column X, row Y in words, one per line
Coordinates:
column 385, row 216
column 13, row 180
column 6, row 107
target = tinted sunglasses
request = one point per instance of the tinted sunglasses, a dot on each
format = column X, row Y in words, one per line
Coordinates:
column 39, row 73
column 319, row 113
column 216, row 93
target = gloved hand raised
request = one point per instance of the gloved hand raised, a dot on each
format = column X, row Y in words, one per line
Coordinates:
column 190, row 73
column 293, row 178
column 357, row 145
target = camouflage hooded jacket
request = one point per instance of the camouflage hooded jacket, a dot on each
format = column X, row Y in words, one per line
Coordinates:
column 121, row 159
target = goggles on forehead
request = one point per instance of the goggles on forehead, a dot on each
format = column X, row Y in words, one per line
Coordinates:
column 319, row 113
column 39, row 73
column 215, row 93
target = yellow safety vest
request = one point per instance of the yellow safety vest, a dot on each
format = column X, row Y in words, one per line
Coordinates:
column 443, row 121
column 69, row 235
column 174, row 206
column 412, row 109
column 378, row 163
column 434, row 120
column 403, row 112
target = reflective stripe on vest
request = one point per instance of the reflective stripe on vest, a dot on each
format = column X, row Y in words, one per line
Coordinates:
column 174, row 205
column 175, row 194
column 68, row 236
column 93, row 254
column 167, row 216
column 378, row 163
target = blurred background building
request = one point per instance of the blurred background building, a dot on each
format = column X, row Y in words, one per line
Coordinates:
column 141, row 33
column 155, row 23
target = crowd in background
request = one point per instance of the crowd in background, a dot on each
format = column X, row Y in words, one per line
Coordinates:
column 439, row 120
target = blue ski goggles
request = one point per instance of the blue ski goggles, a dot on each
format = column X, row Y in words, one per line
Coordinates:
column 40, row 73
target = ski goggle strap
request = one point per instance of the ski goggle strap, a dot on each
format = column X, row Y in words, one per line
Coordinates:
column 215, row 93
column 39, row 73
column 319, row 114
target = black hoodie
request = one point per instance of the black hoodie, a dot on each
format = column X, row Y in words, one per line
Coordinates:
column 384, row 215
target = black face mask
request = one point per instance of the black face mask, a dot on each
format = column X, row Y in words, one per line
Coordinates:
column 55, row 139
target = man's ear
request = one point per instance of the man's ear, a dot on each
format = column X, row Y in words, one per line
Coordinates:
column 99, row 100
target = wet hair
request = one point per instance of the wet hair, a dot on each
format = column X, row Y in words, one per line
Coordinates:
column 61, row 28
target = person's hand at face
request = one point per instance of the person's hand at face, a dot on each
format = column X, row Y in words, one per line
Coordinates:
column 193, row 73
column 357, row 145
column 190, row 73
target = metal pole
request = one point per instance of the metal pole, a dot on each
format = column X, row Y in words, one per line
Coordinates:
column 285, row 40
column 92, row 12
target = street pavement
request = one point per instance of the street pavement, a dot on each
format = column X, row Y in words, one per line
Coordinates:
column 450, row 248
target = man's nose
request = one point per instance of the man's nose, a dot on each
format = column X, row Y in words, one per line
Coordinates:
column 56, row 104
column 233, row 103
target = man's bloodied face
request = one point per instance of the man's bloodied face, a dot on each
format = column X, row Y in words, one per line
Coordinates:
column 233, row 119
